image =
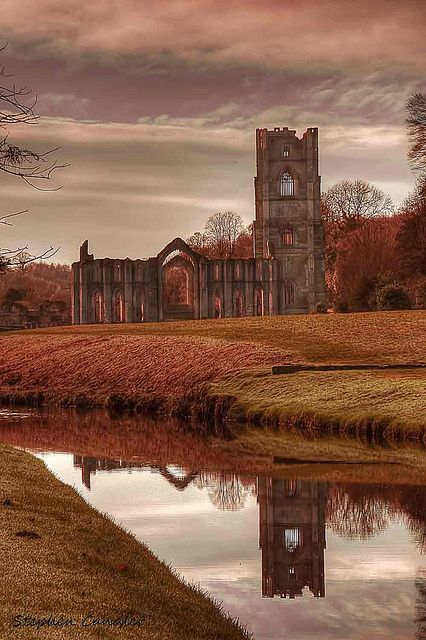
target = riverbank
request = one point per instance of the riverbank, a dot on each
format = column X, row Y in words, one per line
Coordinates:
column 61, row 556
column 221, row 370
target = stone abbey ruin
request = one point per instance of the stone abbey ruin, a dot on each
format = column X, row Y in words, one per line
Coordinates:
column 284, row 276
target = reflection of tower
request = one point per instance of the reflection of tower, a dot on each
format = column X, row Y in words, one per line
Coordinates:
column 88, row 466
column 292, row 536
column 420, row 615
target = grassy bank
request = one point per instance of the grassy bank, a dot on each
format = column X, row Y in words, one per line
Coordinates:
column 222, row 368
column 389, row 404
column 60, row 556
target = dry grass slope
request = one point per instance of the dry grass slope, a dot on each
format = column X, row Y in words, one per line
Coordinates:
column 385, row 337
column 177, row 360
column 82, row 563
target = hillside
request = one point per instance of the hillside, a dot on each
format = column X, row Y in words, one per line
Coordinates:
column 166, row 363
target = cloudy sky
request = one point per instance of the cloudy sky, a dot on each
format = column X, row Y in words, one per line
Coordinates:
column 155, row 106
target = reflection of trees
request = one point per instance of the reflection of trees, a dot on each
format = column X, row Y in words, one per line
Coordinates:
column 361, row 511
column 412, row 503
column 227, row 491
column 355, row 511
column 420, row 612
column 98, row 434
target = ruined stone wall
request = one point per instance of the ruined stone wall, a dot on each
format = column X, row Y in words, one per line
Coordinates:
column 112, row 290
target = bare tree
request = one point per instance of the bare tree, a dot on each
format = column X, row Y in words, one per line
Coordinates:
column 223, row 230
column 199, row 242
column 355, row 512
column 416, row 126
column 33, row 167
column 228, row 493
column 350, row 202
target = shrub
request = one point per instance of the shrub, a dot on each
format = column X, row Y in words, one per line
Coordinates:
column 321, row 307
column 13, row 295
column 340, row 306
column 419, row 291
column 393, row 297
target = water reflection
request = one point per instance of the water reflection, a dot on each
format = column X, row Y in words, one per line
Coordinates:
column 420, row 612
column 291, row 520
column 364, row 542
column 292, row 536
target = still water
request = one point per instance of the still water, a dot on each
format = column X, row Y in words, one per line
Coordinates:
column 291, row 558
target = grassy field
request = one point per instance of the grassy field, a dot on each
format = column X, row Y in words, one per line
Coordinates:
column 232, row 358
column 354, row 337
column 60, row 556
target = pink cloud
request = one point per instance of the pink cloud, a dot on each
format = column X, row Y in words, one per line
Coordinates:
column 271, row 33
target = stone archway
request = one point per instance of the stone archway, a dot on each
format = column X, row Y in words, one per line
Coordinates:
column 178, row 288
column 178, row 282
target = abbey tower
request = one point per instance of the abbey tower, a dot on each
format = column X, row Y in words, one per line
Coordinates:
column 288, row 222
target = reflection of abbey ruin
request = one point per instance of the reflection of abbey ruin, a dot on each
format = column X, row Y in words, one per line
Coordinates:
column 291, row 520
column 284, row 276
column 89, row 466
column 292, row 536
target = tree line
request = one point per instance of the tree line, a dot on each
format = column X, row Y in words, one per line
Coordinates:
column 375, row 253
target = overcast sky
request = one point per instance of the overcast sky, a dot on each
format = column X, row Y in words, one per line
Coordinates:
column 155, row 106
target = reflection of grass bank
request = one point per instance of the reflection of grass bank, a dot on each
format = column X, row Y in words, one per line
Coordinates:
column 250, row 451
column 167, row 367
column 71, row 560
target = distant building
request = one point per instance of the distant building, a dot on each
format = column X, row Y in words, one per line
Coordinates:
column 292, row 536
column 285, row 275
column 16, row 315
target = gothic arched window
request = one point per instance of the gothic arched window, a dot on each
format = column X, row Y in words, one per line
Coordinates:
column 99, row 307
column 289, row 292
column 285, row 150
column 288, row 236
column 258, row 302
column 292, row 539
column 238, row 305
column 286, row 184
column 118, row 308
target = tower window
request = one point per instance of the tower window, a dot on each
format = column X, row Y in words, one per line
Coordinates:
column 292, row 539
column 286, row 185
column 288, row 236
column 285, row 150
column 290, row 488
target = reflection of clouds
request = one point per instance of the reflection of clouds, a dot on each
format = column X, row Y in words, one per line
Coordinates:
column 370, row 592
column 356, row 610
column 232, row 572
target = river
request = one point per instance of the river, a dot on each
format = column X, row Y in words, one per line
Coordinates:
column 291, row 557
